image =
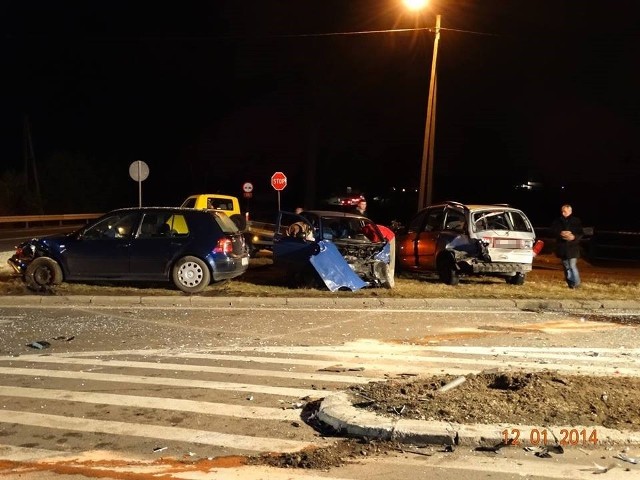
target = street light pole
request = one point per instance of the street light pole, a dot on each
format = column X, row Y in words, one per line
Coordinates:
column 425, row 192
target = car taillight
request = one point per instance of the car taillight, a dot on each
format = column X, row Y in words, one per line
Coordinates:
column 224, row 246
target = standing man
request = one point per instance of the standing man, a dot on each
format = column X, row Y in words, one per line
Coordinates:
column 567, row 229
column 361, row 208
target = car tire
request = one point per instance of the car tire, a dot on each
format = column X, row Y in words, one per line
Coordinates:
column 240, row 221
column 447, row 271
column 517, row 279
column 310, row 278
column 191, row 275
column 43, row 272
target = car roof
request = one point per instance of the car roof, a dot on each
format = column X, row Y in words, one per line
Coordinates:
column 333, row 213
column 472, row 207
column 164, row 209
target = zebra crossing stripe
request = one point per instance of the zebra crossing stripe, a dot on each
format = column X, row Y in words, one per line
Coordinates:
column 163, row 403
column 204, row 437
column 197, row 368
column 173, row 382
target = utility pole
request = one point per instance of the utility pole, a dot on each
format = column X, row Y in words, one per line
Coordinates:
column 425, row 191
column 30, row 163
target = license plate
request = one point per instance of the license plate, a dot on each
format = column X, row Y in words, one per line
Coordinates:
column 245, row 261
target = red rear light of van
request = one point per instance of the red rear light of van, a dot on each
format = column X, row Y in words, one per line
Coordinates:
column 224, row 246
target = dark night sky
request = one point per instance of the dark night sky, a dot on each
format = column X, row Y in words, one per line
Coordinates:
column 211, row 94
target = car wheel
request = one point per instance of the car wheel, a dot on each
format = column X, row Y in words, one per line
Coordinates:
column 517, row 279
column 43, row 272
column 447, row 271
column 191, row 275
column 309, row 278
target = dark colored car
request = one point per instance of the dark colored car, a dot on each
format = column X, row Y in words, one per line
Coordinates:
column 188, row 247
column 346, row 251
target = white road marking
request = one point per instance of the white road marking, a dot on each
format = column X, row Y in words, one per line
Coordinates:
column 254, row 473
column 377, row 357
column 161, row 403
column 170, row 382
column 391, row 358
column 524, row 466
column 197, row 368
column 204, row 437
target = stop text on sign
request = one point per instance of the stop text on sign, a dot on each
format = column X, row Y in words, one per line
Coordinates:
column 278, row 181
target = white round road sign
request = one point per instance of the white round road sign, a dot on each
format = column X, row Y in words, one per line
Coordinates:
column 247, row 187
column 139, row 171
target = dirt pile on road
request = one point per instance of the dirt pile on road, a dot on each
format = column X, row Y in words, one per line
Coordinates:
column 538, row 399
column 519, row 398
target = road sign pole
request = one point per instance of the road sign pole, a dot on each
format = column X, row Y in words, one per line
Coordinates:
column 278, row 182
column 139, row 184
column 139, row 171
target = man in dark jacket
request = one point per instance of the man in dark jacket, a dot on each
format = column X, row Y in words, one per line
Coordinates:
column 567, row 230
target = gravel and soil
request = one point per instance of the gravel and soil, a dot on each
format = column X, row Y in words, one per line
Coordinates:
column 526, row 398
column 538, row 399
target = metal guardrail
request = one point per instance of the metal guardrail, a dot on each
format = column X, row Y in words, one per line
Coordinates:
column 29, row 220
column 602, row 244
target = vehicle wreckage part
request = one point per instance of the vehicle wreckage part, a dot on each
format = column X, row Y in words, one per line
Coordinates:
column 517, row 279
column 334, row 269
column 384, row 269
column 43, row 272
column 447, row 270
column 191, row 275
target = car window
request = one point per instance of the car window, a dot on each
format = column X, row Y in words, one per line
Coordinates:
column 225, row 223
column 435, row 219
column 159, row 225
column 119, row 225
column 454, row 220
column 416, row 222
column 189, row 203
column 219, row 203
column 500, row 220
column 520, row 222
column 177, row 225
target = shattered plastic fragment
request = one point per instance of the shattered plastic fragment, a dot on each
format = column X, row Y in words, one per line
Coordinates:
column 626, row 458
column 39, row 345
column 453, row 384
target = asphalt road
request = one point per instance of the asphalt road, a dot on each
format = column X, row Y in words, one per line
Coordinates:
column 124, row 385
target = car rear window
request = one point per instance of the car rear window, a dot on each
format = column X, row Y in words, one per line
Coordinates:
column 225, row 223
column 501, row 220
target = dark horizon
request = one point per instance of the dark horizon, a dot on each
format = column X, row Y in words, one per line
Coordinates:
column 212, row 95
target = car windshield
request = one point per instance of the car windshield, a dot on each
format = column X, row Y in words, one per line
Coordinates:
column 355, row 228
column 500, row 220
column 225, row 223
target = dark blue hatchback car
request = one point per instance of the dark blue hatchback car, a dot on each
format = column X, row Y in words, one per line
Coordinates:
column 188, row 247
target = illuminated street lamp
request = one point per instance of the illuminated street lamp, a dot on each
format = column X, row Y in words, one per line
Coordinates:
column 425, row 190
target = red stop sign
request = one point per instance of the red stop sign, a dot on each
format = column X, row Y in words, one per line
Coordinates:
column 278, row 181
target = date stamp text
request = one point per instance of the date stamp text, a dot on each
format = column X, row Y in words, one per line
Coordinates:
column 543, row 436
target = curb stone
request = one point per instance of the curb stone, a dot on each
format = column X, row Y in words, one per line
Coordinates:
column 631, row 307
column 337, row 411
